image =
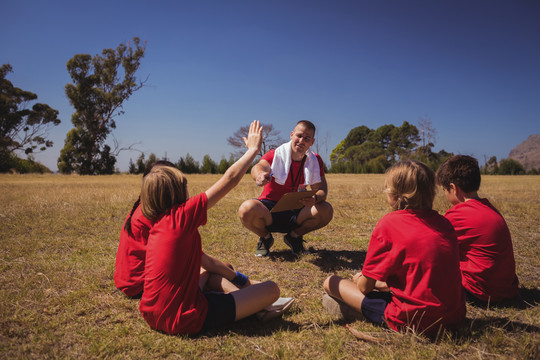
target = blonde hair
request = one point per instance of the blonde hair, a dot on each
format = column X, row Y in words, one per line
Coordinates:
column 411, row 184
column 162, row 188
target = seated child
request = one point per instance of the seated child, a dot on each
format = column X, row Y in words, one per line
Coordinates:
column 410, row 278
column 172, row 301
column 131, row 254
column 215, row 275
column 488, row 268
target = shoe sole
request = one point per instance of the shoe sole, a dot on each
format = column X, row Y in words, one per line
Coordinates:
column 268, row 315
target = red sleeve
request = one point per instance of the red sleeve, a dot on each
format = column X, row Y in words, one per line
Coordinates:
column 194, row 213
column 381, row 256
column 269, row 156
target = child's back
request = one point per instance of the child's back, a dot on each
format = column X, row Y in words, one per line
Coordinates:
column 410, row 278
column 130, row 258
column 486, row 254
column 417, row 253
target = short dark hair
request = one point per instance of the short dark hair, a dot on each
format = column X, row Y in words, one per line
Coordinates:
column 308, row 124
column 461, row 170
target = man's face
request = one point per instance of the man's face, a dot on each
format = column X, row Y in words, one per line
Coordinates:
column 301, row 139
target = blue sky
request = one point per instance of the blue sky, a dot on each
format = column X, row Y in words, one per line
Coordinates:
column 471, row 66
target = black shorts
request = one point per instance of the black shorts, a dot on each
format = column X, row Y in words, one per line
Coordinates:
column 373, row 306
column 221, row 310
column 283, row 221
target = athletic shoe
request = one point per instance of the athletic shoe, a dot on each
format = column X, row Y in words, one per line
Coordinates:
column 277, row 309
column 296, row 244
column 339, row 309
column 263, row 247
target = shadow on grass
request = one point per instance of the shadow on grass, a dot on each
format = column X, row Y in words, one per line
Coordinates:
column 333, row 260
column 527, row 298
column 475, row 328
column 252, row 327
column 283, row 255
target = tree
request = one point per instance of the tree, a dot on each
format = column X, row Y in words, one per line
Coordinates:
column 224, row 164
column 188, row 165
column 427, row 134
column 510, row 167
column 491, row 166
column 22, row 129
column 404, row 141
column 270, row 139
column 132, row 169
column 366, row 150
column 100, row 86
column 209, row 166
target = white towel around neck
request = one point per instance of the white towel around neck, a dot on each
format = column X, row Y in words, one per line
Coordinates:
column 281, row 165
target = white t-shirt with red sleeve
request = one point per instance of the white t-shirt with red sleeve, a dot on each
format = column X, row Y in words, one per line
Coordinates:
column 416, row 253
column 487, row 261
column 172, row 301
column 131, row 254
column 274, row 191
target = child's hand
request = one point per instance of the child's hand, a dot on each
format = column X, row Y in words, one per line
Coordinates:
column 356, row 277
column 254, row 139
column 382, row 286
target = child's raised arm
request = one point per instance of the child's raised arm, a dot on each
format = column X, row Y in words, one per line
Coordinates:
column 234, row 174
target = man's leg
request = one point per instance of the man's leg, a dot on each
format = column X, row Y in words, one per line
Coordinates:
column 255, row 216
column 309, row 219
column 313, row 218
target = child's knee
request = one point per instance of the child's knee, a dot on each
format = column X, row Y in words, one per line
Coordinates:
column 272, row 289
column 326, row 283
column 331, row 284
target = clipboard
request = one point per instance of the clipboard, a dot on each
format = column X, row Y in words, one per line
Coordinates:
column 289, row 201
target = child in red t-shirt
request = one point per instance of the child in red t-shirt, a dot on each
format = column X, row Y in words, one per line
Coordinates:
column 131, row 256
column 410, row 278
column 172, row 300
column 487, row 262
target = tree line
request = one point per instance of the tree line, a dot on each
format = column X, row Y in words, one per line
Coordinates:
column 366, row 150
column 187, row 164
column 100, row 85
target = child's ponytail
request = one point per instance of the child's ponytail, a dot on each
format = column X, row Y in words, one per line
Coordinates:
column 127, row 225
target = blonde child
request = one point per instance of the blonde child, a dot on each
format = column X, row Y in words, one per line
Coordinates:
column 410, row 278
column 172, row 301
column 131, row 256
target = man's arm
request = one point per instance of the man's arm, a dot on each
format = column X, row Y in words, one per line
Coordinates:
column 320, row 194
column 261, row 172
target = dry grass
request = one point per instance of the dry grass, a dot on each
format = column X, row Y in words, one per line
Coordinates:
column 58, row 240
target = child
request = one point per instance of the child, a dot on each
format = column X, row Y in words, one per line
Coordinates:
column 413, row 254
column 487, row 262
column 214, row 274
column 172, row 301
column 131, row 254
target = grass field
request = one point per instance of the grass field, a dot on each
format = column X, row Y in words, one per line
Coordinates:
column 58, row 241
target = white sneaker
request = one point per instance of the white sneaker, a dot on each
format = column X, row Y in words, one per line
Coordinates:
column 277, row 309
